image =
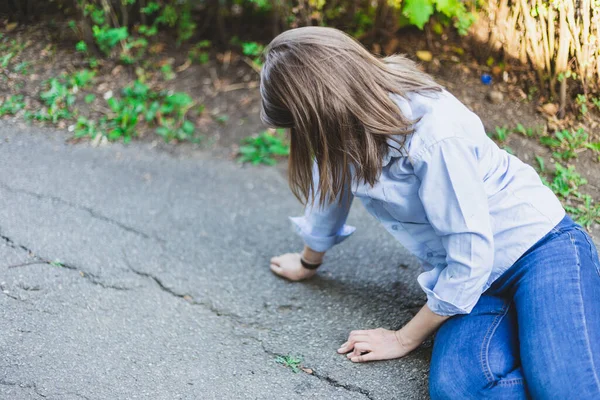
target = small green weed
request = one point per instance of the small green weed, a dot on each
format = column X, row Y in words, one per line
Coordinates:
column 56, row 263
column 587, row 213
column 12, row 105
column 86, row 127
column 290, row 361
column 582, row 102
column 58, row 99
column 107, row 38
column 566, row 181
column 221, row 119
column 199, row 53
column 566, row 144
column 541, row 163
column 264, row 148
column 22, row 68
column 167, row 72
column 81, row 47
column 501, row 133
column 253, row 50
column 528, row 132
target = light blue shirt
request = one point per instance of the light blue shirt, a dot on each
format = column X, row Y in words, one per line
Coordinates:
column 466, row 208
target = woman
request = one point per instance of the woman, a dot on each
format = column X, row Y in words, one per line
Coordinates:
column 512, row 284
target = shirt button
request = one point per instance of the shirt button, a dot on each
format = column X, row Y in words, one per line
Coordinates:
column 394, row 227
column 430, row 254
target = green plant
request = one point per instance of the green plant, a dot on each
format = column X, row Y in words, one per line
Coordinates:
column 174, row 124
column 86, row 127
column 264, row 148
column 541, row 163
column 22, row 68
column 167, row 72
column 566, row 144
column 12, row 105
column 5, row 59
column 81, row 79
column 582, row 102
column 199, row 52
column 221, row 119
column 81, row 47
column 290, row 361
column 178, row 15
column 587, row 213
column 253, row 50
column 122, row 123
column 58, row 99
column 566, row 181
column 107, row 38
column 500, row 133
column 528, row 132
column 134, row 49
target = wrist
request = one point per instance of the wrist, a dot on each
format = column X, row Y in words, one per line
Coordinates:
column 405, row 340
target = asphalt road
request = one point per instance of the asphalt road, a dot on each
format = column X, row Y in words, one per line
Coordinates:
column 152, row 281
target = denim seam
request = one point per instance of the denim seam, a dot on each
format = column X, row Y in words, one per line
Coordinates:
column 511, row 382
column 592, row 250
column 486, row 344
column 582, row 310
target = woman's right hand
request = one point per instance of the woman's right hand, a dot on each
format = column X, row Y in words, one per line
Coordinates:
column 289, row 267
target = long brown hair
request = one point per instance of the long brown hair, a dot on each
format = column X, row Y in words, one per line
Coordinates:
column 334, row 96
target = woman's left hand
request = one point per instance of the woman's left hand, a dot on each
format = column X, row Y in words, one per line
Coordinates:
column 376, row 344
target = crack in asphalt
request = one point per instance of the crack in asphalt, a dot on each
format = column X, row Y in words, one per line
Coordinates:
column 207, row 305
column 346, row 386
column 24, row 386
column 10, row 243
column 322, row 377
column 90, row 277
column 95, row 214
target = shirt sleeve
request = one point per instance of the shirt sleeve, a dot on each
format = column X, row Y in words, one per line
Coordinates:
column 323, row 227
column 456, row 204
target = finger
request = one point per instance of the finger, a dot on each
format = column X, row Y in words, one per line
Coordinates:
column 276, row 260
column 346, row 347
column 359, row 337
column 362, row 332
column 364, row 358
column 342, row 347
column 277, row 269
column 362, row 348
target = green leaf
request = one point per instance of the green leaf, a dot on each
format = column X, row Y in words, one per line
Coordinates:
column 81, row 46
column 448, row 7
column 188, row 127
column 89, row 98
column 541, row 163
column 418, row 12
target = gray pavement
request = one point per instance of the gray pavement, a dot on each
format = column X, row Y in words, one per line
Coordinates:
column 153, row 281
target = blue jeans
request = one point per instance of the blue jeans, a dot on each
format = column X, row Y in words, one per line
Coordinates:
column 535, row 333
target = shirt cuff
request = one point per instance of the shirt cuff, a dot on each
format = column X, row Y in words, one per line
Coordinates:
column 435, row 303
column 319, row 243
